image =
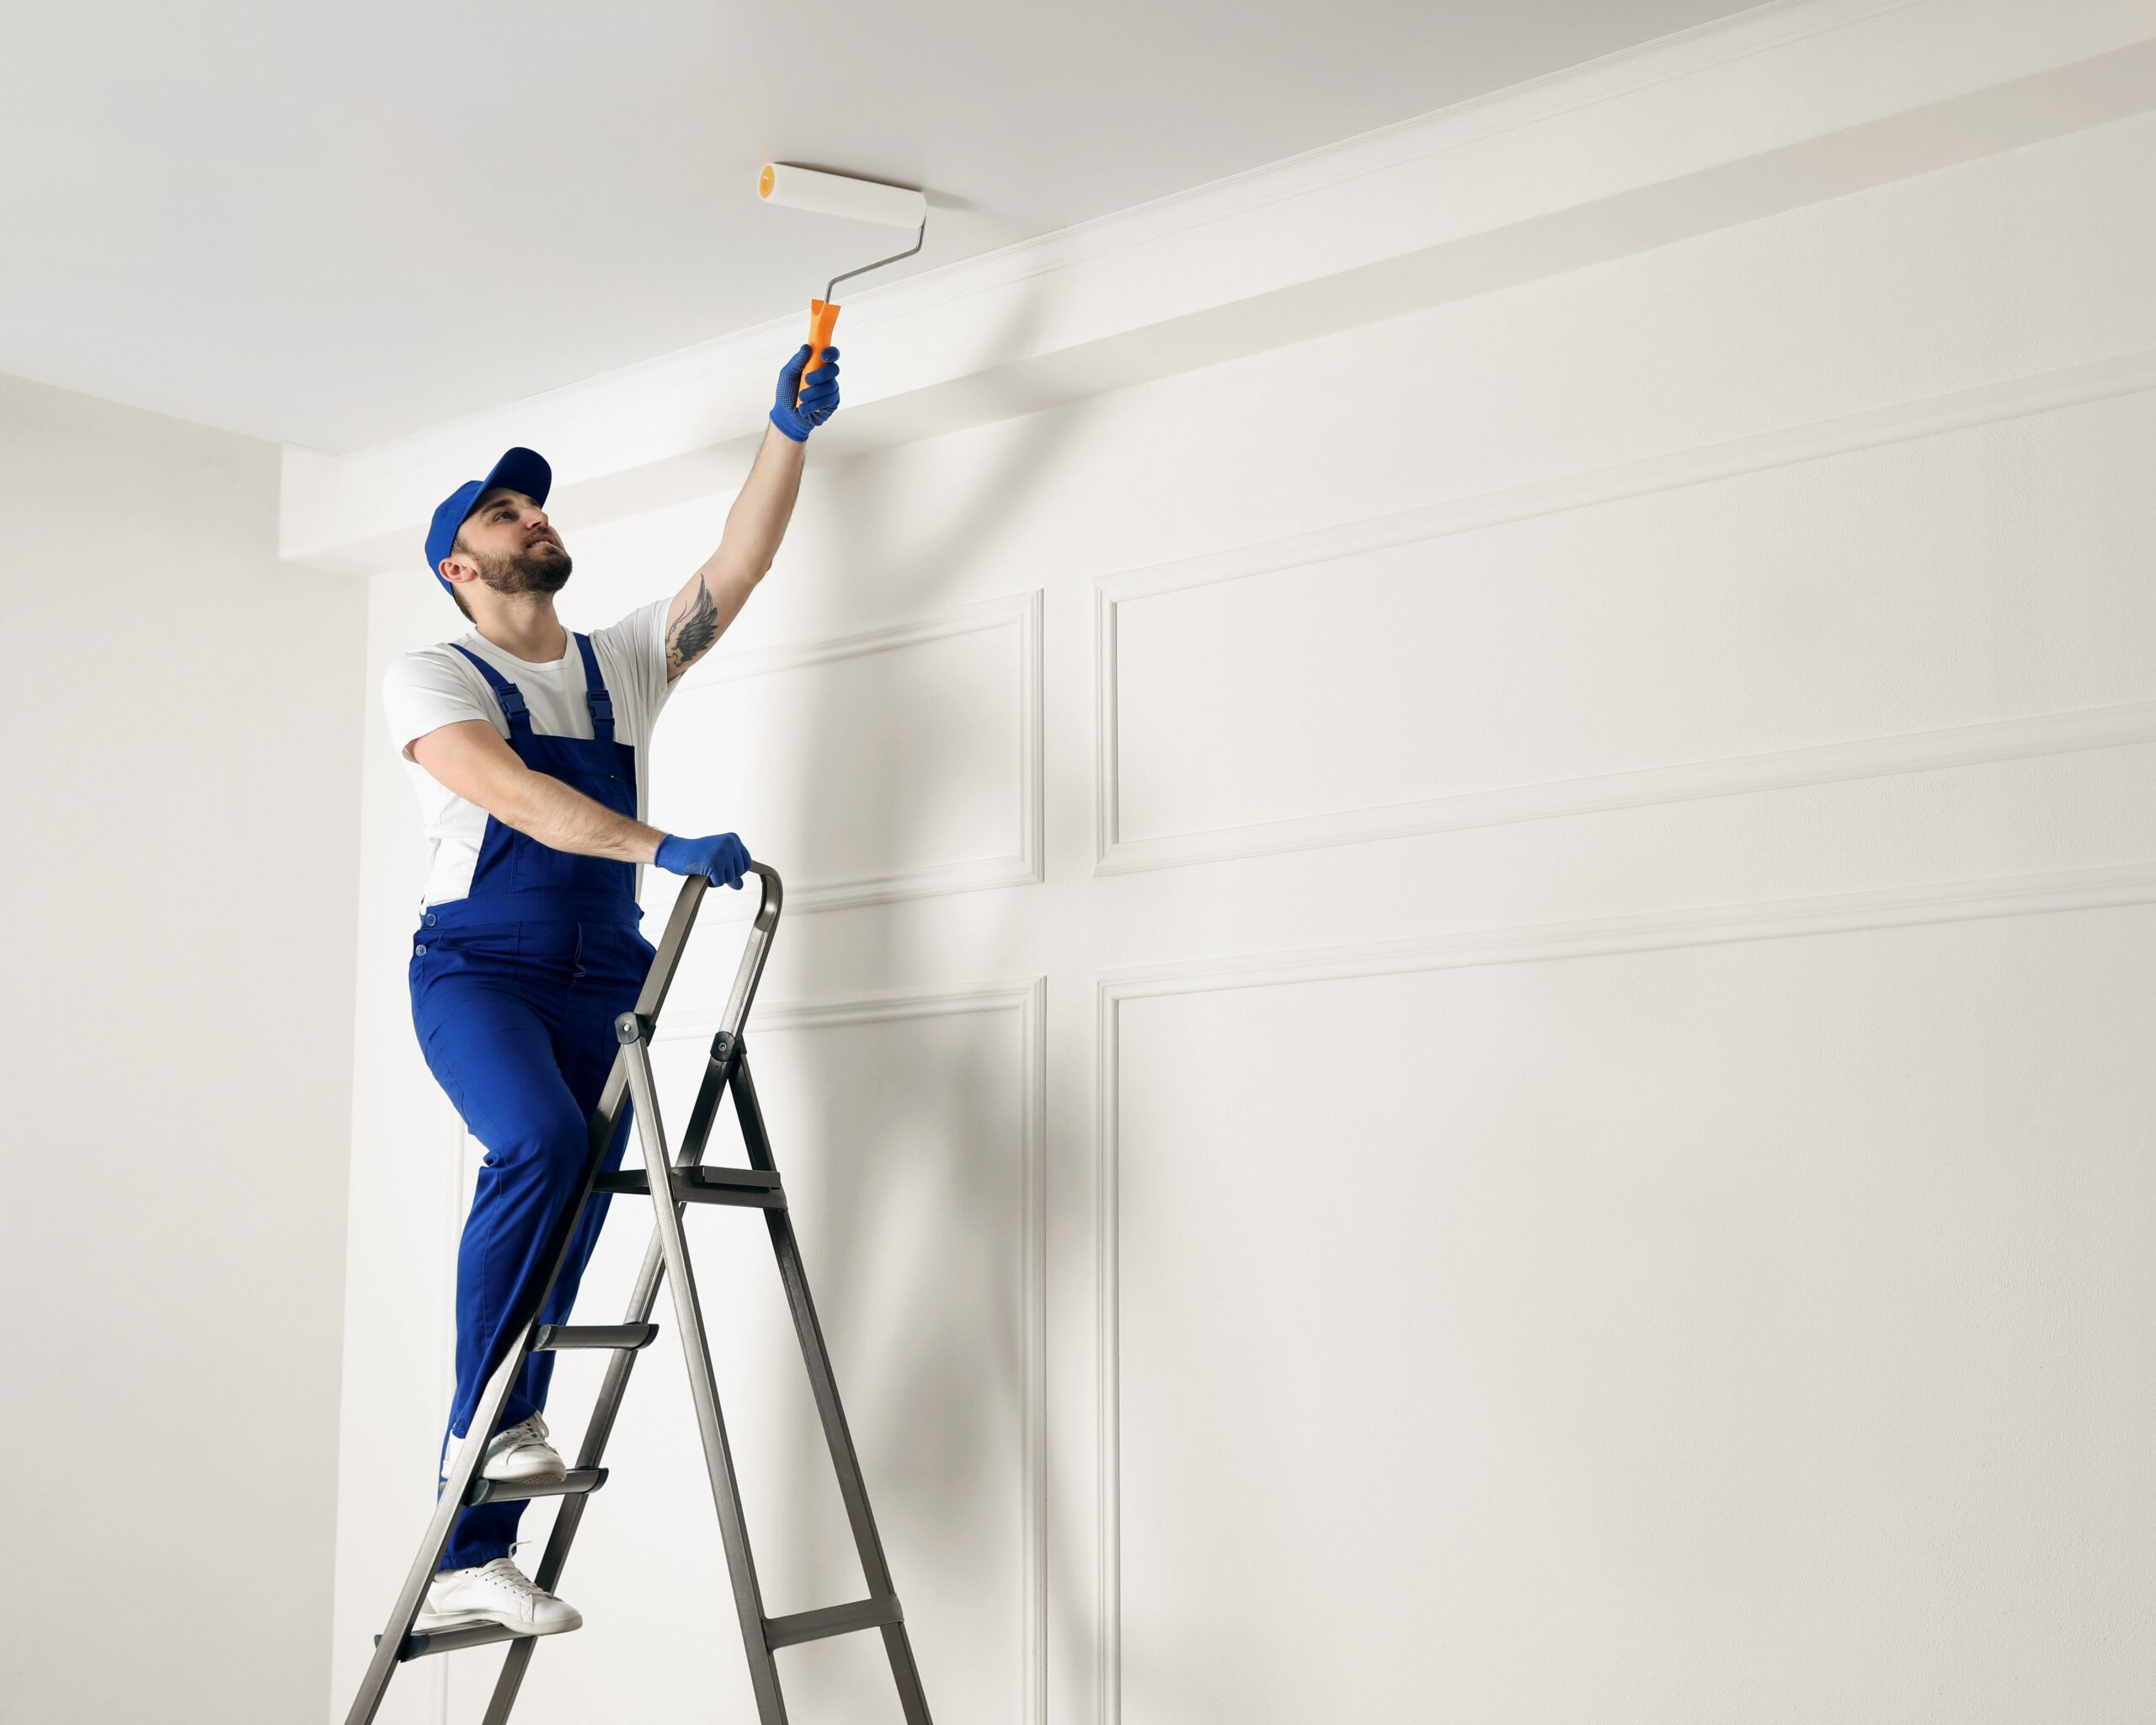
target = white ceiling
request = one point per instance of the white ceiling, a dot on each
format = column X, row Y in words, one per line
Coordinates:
column 331, row 226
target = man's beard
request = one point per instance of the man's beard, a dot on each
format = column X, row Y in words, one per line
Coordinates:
column 540, row 568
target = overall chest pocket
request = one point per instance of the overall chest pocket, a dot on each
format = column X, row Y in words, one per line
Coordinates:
column 537, row 866
column 608, row 784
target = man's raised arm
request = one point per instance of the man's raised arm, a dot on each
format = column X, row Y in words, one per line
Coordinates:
column 712, row 598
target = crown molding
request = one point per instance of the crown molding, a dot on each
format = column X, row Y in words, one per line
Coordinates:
column 1767, row 110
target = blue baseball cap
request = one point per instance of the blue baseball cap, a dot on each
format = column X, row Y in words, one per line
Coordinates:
column 520, row 469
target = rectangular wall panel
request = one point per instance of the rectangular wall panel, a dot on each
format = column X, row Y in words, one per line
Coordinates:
column 883, row 766
column 1703, row 1332
column 1733, row 619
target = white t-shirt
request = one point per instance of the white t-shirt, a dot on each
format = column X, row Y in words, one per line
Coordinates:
column 433, row 686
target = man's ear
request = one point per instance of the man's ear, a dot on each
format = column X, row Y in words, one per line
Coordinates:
column 454, row 568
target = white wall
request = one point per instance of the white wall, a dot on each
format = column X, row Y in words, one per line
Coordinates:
column 179, row 863
column 1565, row 1130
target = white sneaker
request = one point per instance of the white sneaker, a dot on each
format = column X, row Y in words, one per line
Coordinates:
column 494, row 1593
column 522, row 1453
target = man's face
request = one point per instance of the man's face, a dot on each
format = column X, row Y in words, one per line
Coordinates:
column 508, row 539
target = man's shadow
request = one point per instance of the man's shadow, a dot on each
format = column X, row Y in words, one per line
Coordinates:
column 927, row 1435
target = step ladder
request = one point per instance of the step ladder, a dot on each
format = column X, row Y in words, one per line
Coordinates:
column 671, row 1183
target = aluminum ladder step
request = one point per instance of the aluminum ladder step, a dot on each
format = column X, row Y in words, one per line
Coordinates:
column 578, row 1481
column 778, row 1631
column 420, row 1642
column 699, row 1185
column 831, row 1620
column 555, row 1336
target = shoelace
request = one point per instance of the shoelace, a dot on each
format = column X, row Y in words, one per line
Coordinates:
column 503, row 1573
column 532, row 1430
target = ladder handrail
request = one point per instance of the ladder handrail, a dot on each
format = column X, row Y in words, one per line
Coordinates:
column 683, row 918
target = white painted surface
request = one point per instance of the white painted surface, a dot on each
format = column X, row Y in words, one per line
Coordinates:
column 1717, row 1332
column 331, row 230
column 176, row 1016
column 1775, row 110
column 1585, row 1003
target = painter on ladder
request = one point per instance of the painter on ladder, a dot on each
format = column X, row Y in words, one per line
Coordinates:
column 529, row 744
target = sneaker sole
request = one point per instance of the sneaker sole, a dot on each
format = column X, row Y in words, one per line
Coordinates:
column 546, row 1477
column 513, row 1473
column 428, row 1623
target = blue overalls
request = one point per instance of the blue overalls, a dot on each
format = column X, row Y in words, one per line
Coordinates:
column 515, row 991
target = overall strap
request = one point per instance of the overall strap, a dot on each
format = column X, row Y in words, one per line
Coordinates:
column 594, row 693
column 510, row 696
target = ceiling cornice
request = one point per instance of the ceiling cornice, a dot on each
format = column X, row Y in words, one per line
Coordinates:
column 1767, row 110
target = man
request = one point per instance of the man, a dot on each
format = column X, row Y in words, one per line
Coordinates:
column 529, row 746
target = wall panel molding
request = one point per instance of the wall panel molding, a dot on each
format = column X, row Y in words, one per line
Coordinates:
column 1894, row 907
column 1021, row 865
column 2043, row 733
column 1026, row 998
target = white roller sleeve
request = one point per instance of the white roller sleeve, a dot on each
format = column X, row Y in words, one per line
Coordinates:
column 835, row 195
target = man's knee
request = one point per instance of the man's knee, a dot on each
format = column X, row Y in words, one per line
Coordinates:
column 547, row 1143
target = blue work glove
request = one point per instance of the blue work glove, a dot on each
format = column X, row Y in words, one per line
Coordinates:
column 722, row 857
column 818, row 401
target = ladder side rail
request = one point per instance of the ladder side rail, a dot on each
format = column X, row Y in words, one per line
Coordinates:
column 815, row 1354
column 816, row 1357
column 643, row 1294
column 711, row 1423
column 710, row 1090
column 666, row 956
column 389, row 1646
column 645, row 1291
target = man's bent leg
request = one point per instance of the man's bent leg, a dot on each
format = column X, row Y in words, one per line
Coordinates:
column 609, row 972
column 491, row 1046
column 538, row 1373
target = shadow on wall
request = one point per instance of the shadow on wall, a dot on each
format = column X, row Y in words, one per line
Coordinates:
column 900, row 562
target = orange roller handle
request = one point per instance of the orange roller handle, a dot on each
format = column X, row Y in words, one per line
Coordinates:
column 822, row 320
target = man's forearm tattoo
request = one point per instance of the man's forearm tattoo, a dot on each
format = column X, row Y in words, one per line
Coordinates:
column 696, row 630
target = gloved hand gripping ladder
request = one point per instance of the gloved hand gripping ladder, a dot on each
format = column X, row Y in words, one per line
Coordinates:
column 685, row 1181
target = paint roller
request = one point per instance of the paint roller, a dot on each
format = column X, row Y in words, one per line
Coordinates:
column 856, row 200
